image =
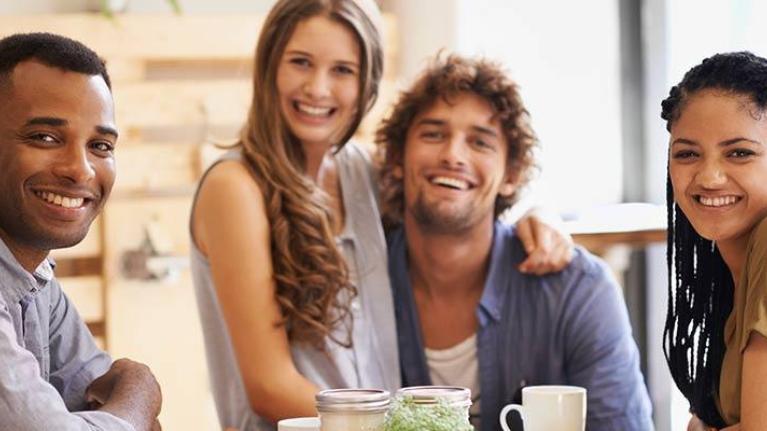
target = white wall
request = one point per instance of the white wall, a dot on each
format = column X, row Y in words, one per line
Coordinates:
column 564, row 56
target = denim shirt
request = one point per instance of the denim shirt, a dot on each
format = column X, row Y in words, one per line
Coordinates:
column 47, row 356
column 566, row 328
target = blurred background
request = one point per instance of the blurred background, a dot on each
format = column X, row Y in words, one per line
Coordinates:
column 592, row 75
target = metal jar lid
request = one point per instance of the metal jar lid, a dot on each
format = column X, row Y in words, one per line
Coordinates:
column 353, row 400
column 426, row 395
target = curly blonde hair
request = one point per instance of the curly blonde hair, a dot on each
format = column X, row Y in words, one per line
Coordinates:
column 446, row 77
column 312, row 278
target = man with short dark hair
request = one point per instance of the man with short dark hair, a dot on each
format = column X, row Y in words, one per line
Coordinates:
column 57, row 139
column 458, row 146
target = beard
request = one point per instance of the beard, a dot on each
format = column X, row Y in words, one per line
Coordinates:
column 443, row 217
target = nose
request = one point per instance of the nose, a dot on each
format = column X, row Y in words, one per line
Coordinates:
column 74, row 164
column 712, row 175
column 452, row 152
column 317, row 85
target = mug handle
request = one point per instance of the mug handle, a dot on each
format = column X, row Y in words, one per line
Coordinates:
column 505, row 412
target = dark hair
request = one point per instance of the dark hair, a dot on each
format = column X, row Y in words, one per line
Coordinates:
column 701, row 292
column 741, row 73
column 52, row 50
column 447, row 77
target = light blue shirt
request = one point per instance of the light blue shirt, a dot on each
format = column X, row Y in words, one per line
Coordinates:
column 47, row 355
column 567, row 328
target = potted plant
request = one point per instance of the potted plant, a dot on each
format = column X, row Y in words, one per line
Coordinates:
column 110, row 7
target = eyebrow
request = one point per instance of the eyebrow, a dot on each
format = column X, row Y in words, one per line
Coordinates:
column 59, row 122
column 435, row 122
column 724, row 143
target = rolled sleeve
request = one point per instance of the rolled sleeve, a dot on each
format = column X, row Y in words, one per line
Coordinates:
column 27, row 402
column 601, row 354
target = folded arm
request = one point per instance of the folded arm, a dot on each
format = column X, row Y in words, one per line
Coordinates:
column 28, row 402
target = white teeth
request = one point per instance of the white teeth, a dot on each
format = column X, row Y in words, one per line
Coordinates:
column 59, row 200
column 450, row 182
column 313, row 110
column 718, row 201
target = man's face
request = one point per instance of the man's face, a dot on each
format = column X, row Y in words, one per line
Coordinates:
column 57, row 138
column 454, row 165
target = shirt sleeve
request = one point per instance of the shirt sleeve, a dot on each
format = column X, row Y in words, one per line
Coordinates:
column 27, row 402
column 755, row 311
column 601, row 354
column 75, row 359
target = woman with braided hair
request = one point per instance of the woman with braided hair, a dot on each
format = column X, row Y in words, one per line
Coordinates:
column 715, row 337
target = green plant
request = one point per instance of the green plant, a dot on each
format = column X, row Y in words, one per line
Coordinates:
column 107, row 10
column 406, row 415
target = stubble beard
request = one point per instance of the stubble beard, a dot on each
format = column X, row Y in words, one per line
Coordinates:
column 441, row 218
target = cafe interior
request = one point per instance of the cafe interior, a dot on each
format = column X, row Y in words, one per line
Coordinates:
column 592, row 75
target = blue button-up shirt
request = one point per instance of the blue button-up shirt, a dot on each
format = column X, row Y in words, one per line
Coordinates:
column 567, row 328
column 47, row 355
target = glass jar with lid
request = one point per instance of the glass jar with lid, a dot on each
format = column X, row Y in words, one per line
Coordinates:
column 436, row 408
column 352, row 409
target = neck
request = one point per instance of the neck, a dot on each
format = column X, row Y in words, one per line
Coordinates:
column 733, row 253
column 315, row 156
column 28, row 257
column 449, row 265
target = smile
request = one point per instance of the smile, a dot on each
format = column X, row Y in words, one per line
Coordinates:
column 314, row 111
column 59, row 200
column 718, row 201
column 453, row 183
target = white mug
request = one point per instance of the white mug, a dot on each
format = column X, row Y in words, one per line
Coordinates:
column 299, row 424
column 546, row 408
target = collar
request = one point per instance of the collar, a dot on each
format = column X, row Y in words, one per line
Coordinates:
column 499, row 272
column 505, row 255
column 17, row 282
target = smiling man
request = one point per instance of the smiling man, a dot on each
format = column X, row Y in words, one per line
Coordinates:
column 57, row 140
column 458, row 147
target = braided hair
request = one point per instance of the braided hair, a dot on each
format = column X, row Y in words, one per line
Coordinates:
column 701, row 289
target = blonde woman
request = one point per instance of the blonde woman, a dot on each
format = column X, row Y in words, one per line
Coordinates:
column 289, row 258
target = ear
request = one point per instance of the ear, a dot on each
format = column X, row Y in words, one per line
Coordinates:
column 509, row 186
column 397, row 172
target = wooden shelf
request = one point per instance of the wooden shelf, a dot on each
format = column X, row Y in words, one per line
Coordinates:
column 78, row 266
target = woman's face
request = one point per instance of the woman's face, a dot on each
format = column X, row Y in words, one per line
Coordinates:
column 718, row 164
column 318, row 80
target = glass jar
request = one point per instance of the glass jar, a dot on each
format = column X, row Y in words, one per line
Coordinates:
column 437, row 408
column 352, row 409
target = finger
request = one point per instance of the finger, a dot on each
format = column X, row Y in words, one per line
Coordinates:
column 544, row 236
column 526, row 235
column 564, row 254
column 534, row 263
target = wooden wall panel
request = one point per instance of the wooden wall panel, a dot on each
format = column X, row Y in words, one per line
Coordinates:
column 87, row 295
column 181, row 83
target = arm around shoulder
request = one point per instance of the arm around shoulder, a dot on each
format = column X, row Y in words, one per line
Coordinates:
column 231, row 227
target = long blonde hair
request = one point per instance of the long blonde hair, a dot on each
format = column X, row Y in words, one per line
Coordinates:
column 313, row 287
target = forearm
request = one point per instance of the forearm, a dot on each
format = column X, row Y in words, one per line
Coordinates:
column 290, row 395
column 141, row 415
column 128, row 391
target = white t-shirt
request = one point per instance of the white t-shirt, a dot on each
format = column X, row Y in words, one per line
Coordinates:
column 457, row 366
